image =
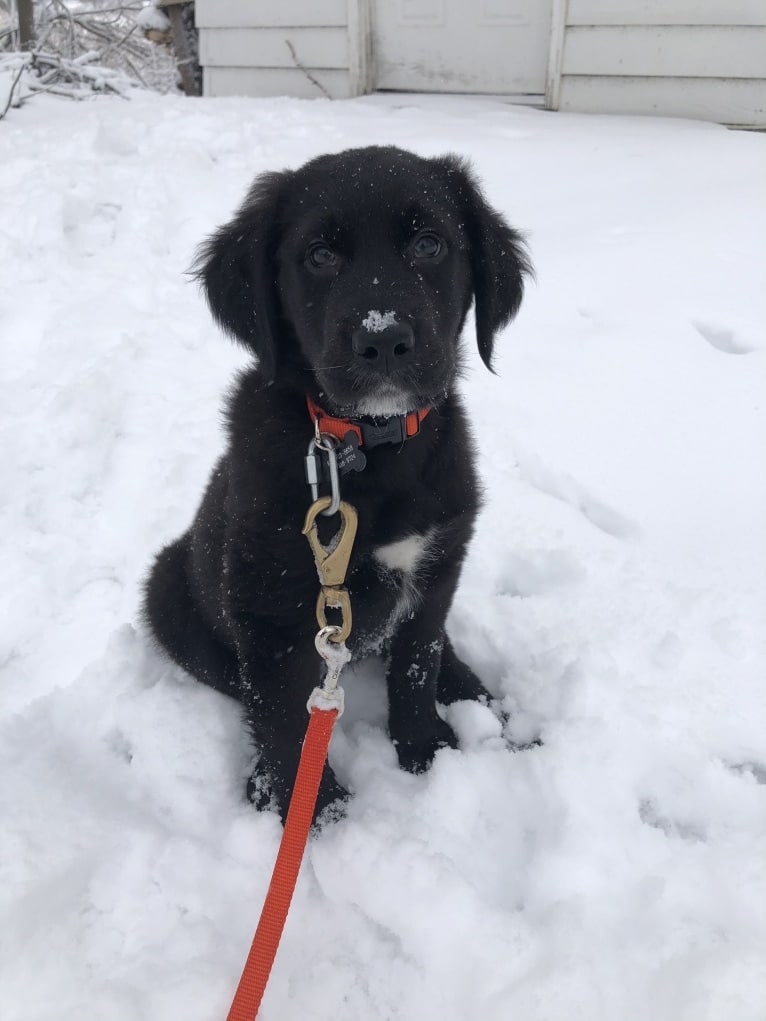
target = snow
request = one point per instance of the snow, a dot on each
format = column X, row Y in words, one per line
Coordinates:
column 376, row 321
column 614, row 595
column 152, row 17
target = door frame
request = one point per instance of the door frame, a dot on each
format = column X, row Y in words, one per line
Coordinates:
column 361, row 58
column 555, row 54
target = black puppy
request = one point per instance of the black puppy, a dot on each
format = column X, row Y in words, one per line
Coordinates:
column 350, row 280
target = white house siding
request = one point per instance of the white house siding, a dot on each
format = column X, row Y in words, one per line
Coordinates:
column 495, row 47
column 290, row 47
column 689, row 58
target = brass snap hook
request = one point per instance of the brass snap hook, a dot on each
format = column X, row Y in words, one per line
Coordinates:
column 332, row 562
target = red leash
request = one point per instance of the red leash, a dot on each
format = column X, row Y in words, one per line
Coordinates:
column 325, row 706
column 255, row 975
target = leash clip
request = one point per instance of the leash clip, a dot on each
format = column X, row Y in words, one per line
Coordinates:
column 332, row 561
column 332, row 564
column 333, row 651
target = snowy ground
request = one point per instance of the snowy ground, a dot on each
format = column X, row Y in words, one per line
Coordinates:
column 615, row 592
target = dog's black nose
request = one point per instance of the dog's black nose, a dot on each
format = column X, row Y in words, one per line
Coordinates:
column 385, row 350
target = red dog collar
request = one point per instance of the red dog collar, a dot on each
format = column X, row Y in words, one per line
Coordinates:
column 396, row 429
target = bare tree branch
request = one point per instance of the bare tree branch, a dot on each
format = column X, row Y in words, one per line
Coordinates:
column 71, row 35
column 14, row 83
column 67, row 15
column 305, row 70
column 118, row 42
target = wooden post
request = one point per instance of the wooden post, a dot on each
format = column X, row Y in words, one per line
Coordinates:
column 186, row 53
column 26, row 12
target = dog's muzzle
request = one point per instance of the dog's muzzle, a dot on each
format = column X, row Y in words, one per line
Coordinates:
column 385, row 351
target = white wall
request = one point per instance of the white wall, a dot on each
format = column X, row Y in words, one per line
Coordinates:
column 281, row 47
column 689, row 58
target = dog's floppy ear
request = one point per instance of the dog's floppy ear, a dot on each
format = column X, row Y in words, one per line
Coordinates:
column 236, row 268
column 499, row 259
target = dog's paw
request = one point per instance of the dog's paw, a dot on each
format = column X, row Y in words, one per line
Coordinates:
column 267, row 793
column 417, row 756
column 260, row 792
column 332, row 801
column 458, row 683
column 462, row 686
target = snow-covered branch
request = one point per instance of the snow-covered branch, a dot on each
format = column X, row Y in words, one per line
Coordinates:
column 38, row 71
column 79, row 47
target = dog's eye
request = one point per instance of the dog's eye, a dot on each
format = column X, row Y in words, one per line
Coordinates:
column 427, row 245
column 320, row 255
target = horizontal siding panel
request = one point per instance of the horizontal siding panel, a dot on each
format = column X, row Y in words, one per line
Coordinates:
column 270, row 13
column 267, row 47
column 666, row 52
column 729, row 101
column 264, row 81
column 666, row 12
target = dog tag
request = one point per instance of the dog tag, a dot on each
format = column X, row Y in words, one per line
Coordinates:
column 350, row 457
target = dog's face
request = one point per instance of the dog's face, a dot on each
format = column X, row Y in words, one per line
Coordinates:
column 374, row 277
column 359, row 269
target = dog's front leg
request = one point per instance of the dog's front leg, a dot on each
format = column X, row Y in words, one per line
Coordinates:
column 415, row 665
column 277, row 675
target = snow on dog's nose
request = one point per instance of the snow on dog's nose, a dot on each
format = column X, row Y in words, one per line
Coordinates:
column 383, row 344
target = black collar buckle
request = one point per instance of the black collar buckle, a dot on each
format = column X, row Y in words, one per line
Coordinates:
column 386, row 430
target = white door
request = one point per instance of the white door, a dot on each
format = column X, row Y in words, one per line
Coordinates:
column 490, row 46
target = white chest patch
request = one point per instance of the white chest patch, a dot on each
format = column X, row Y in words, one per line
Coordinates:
column 400, row 563
column 404, row 554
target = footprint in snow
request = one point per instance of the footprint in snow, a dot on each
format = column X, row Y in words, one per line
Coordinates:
column 120, row 745
column 563, row 487
column 722, row 339
column 651, row 815
column 754, row 769
column 537, row 572
column 88, row 226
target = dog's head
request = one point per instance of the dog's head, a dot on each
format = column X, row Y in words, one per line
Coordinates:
column 359, row 269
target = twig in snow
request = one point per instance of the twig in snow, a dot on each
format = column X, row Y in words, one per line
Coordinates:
column 14, row 83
